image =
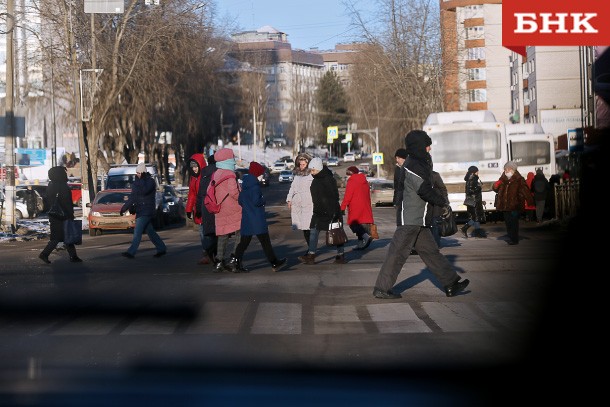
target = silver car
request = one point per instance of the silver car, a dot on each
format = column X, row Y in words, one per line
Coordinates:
column 286, row 176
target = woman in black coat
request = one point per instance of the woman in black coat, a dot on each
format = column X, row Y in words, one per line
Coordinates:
column 474, row 203
column 58, row 186
column 326, row 209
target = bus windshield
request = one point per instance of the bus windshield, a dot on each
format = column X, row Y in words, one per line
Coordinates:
column 531, row 152
column 466, row 145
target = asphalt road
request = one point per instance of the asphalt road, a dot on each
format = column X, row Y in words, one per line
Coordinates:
column 112, row 314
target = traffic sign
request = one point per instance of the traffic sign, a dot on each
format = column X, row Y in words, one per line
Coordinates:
column 332, row 132
column 348, row 136
column 378, row 158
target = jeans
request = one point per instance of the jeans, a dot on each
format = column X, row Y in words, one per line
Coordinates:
column 144, row 224
column 208, row 242
column 313, row 242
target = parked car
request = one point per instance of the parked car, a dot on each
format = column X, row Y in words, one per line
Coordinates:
column 105, row 212
column 42, row 191
column 174, row 207
column 286, row 176
column 382, row 192
column 349, row 157
column 278, row 167
column 21, row 210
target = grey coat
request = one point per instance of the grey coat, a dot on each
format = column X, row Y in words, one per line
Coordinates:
column 302, row 205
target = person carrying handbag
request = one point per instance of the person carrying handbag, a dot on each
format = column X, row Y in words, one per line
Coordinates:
column 58, row 188
column 326, row 209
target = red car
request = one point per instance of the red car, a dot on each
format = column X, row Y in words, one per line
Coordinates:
column 105, row 212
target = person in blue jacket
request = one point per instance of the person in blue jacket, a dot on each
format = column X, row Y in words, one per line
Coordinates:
column 254, row 220
column 142, row 200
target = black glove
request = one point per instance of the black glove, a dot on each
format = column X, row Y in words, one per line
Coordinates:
column 446, row 212
column 189, row 215
column 121, row 213
column 197, row 214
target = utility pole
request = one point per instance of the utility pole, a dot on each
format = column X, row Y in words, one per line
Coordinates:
column 10, row 119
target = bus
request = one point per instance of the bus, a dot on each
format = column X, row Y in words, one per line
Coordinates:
column 531, row 149
column 462, row 139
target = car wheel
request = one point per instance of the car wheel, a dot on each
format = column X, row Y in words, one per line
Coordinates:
column 94, row 232
column 18, row 214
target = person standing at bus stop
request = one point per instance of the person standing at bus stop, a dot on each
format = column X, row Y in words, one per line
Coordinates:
column 474, row 203
column 513, row 193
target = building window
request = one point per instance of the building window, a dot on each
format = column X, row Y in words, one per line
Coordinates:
column 477, row 95
column 476, row 53
column 476, row 74
column 475, row 33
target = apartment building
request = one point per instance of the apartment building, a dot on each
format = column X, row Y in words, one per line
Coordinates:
column 475, row 64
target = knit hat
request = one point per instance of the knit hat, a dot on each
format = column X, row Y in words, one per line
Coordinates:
column 353, row 170
column 417, row 140
column 401, row 152
column 223, row 154
column 511, row 165
column 141, row 168
column 316, row 164
column 472, row 169
column 256, row 169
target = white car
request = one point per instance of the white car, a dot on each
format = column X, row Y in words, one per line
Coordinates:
column 21, row 210
column 278, row 166
column 349, row 157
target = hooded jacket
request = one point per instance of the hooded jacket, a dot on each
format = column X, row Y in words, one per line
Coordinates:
column 474, row 189
column 58, row 186
column 252, row 201
column 194, row 178
column 357, row 199
column 325, row 196
column 143, row 196
column 299, row 196
column 418, row 190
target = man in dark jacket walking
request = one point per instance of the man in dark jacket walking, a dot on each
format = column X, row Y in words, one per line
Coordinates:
column 414, row 229
column 142, row 200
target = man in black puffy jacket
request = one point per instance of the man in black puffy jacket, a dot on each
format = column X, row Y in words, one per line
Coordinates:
column 415, row 220
column 142, row 200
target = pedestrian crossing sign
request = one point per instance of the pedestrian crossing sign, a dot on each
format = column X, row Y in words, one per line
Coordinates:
column 377, row 158
column 332, row 132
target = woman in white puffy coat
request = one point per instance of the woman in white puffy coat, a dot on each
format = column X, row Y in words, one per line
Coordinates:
column 299, row 196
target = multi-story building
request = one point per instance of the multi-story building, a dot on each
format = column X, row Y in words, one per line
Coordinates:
column 475, row 63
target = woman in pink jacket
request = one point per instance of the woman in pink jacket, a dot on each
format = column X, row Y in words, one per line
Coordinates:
column 228, row 220
column 357, row 200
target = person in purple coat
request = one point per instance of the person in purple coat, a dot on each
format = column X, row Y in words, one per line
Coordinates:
column 254, row 220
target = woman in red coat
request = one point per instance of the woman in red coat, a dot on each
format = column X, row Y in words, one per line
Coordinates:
column 529, row 209
column 195, row 165
column 357, row 200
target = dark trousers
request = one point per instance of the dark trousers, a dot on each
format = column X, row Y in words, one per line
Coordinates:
column 265, row 242
column 511, row 219
column 358, row 229
column 70, row 248
column 419, row 238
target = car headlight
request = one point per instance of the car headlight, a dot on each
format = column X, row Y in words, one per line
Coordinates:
column 96, row 213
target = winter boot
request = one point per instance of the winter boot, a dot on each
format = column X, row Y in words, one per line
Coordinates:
column 220, row 267
column 236, row 265
column 340, row 259
column 309, row 258
column 479, row 233
column 464, row 230
column 278, row 264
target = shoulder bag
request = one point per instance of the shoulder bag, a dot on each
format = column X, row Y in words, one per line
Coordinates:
column 335, row 235
column 469, row 201
column 56, row 211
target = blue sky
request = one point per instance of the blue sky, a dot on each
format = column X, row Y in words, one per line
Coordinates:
column 309, row 23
